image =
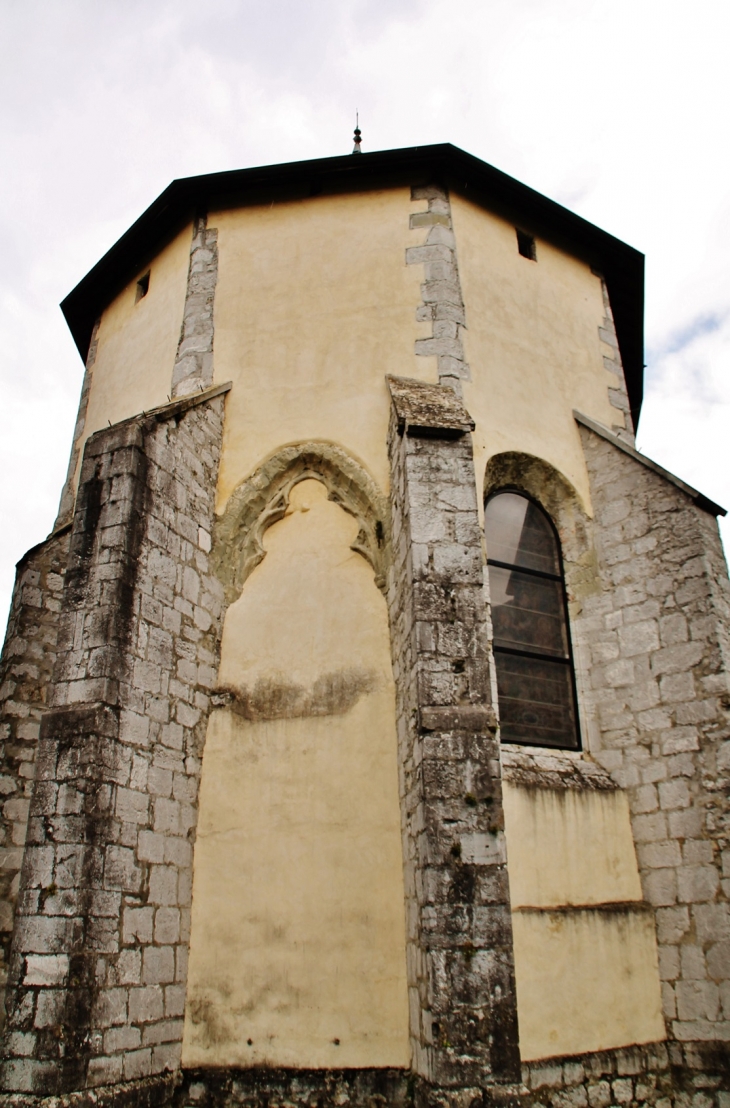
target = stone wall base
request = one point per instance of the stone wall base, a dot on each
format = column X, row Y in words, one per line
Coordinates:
column 148, row 1092
column 276, row 1088
column 668, row 1075
column 655, row 1075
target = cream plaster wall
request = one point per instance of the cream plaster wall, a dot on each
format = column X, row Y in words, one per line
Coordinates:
column 569, row 847
column 587, row 978
column 532, row 344
column 138, row 341
column 314, row 305
column 298, row 933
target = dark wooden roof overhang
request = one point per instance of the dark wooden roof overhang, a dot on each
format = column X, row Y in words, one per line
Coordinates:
column 622, row 266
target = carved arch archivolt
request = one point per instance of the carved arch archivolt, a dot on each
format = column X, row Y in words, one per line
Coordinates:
column 553, row 491
column 263, row 498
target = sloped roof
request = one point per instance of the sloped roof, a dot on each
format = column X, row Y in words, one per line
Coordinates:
column 447, row 165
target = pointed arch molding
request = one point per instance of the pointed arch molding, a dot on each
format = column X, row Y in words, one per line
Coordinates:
column 263, row 498
column 561, row 501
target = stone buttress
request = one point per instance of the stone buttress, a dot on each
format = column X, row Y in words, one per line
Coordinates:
column 463, row 1012
column 98, row 962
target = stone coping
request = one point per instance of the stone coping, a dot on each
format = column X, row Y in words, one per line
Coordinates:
column 539, row 768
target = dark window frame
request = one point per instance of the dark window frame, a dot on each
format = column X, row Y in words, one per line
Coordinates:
column 539, row 656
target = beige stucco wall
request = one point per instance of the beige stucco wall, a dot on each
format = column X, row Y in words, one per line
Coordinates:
column 586, row 980
column 569, row 847
column 298, row 933
column 532, row 344
column 314, row 305
column 587, row 977
column 138, row 341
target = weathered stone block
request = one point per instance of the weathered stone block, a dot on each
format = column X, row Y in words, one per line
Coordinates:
column 146, row 1004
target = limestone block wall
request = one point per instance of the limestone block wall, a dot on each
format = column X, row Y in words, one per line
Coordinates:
column 654, row 636
column 99, row 957
column 463, row 1016
column 26, row 667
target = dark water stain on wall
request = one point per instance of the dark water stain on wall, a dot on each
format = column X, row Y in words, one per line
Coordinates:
column 332, row 694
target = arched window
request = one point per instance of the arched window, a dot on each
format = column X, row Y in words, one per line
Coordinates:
column 535, row 680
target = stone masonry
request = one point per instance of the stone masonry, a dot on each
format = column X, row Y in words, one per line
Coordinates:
column 68, row 495
column 657, row 708
column 26, row 669
column 193, row 368
column 443, row 303
column 617, row 394
column 626, row 1078
column 460, row 965
column 98, row 962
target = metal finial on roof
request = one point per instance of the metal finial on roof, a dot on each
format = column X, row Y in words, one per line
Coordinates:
column 356, row 148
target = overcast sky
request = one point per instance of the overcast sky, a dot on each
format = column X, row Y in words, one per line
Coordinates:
column 616, row 109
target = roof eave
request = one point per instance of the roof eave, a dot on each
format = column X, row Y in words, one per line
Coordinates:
column 621, row 265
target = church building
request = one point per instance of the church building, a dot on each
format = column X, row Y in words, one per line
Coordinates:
column 365, row 715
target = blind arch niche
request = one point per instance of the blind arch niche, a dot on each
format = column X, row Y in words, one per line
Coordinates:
column 532, row 648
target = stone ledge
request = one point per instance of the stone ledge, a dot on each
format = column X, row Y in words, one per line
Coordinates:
column 174, row 409
column 533, row 768
column 428, row 410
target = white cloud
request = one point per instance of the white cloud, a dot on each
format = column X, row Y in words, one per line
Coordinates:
column 617, row 110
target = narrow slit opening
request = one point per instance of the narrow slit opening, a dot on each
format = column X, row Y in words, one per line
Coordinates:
column 526, row 245
column 143, row 287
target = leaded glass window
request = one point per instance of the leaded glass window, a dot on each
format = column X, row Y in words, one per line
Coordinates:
column 532, row 653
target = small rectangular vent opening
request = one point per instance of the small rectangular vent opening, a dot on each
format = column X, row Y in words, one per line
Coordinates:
column 526, row 245
column 143, row 287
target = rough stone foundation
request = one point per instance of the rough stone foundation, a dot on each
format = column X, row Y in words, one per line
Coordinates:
column 661, row 1074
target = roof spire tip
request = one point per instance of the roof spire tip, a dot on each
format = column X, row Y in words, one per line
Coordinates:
column 356, row 148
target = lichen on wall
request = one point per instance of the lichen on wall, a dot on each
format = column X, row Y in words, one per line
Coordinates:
column 298, row 946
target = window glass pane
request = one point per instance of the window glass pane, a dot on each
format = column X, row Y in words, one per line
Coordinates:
column 527, row 612
column 535, row 701
column 517, row 532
